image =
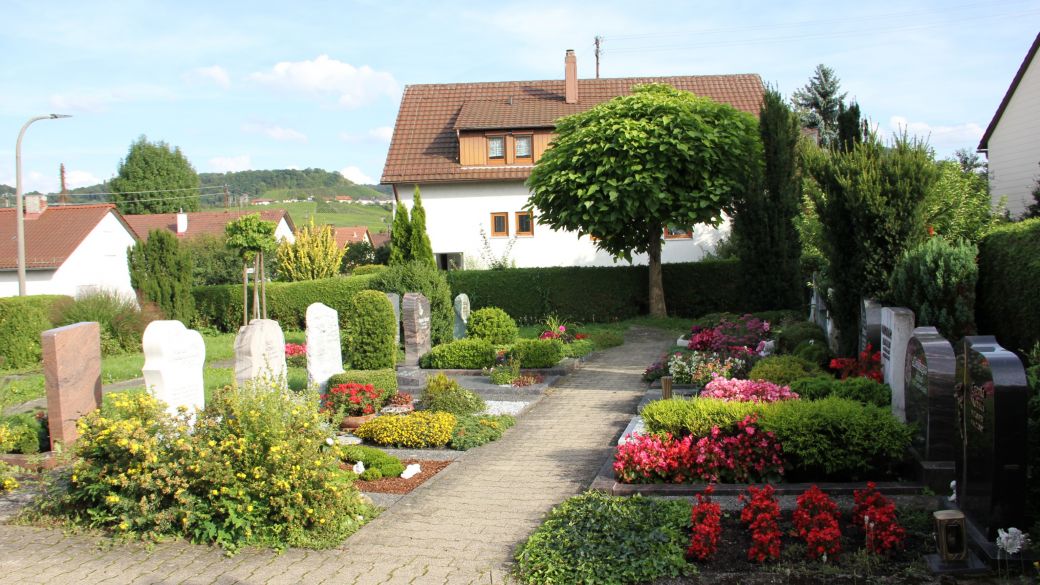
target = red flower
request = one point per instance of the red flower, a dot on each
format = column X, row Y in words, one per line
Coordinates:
column 706, row 526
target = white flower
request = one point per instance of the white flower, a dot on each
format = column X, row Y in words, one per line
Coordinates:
column 359, row 468
column 1012, row 540
column 953, row 491
column 329, row 442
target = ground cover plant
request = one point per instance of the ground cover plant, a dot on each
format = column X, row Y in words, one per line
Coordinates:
column 24, row 433
column 475, row 430
column 378, row 464
column 443, row 394
column 414, row 430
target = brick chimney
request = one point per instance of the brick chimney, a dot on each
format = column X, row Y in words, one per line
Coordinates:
column 570, row 70
column 182, row 223
column 35, row 205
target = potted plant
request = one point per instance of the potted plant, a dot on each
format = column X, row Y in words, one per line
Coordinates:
column 353, row 404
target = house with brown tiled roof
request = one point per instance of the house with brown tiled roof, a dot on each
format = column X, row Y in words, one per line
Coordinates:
column 196, row 223
column 469, row 147
column 379, row 240
column 346, row 236
column 69, row 250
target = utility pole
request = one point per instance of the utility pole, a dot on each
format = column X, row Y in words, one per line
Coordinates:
column 597, row 42
column 64, row 198
column 227, row 197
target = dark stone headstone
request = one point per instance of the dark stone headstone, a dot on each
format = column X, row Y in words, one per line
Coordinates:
column 870, row 325
column 930, row 408
column 991, row 398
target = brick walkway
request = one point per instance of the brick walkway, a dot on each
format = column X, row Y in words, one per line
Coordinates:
column 459, row 528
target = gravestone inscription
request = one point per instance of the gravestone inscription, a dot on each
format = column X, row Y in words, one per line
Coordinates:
column 324, row 351
column 415, row 315
column 72, row 377
column 173, row 360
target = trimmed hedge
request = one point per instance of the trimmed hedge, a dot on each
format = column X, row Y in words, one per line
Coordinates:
column 860, row 389
column 385, row 380
column 600, row 294
column 783, row 369
column 1009, row 278
column 464, row 354
column 22, row 319
column 220, row 306
column 369, row 328
column 537, row 353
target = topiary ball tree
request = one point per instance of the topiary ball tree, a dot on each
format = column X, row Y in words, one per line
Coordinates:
column 368, row 331
column 492, row 324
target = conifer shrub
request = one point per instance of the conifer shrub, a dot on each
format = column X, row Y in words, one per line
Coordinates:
column 492, row 324
column 858, row 388
column 443, row 394
column 814, row 351
column 936, row 280
column 791, row 335
column 369, row 331
column 783, row 369
column 421, row 278
column 162, row 272
column 415, row 430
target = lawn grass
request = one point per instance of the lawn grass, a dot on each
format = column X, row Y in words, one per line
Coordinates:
column 374, row 217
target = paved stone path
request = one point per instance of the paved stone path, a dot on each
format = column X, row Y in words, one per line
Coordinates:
column 459, row 528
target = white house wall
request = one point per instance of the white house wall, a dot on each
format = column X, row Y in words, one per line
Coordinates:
column 282, row 232
column 1014, row 149
column 456, row 212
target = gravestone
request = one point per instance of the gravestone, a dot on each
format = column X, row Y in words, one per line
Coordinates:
column 72, row 377
column 929, row 371
column 991, row 399
column 461, row 315
column 395, row 300
column 173, row 360
column 324, row 350
column 415, row 316
column 869, row 325
column 260, row 351
column 897, row 325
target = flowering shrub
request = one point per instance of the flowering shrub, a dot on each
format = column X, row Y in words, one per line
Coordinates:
column 746, row 390
column 657, row 370
column 415, row 430
column 876, row 515
column 700, row 367
column 706, row 526
column 524, row 380
column 296, row 355
column 7, row 480
column 867, row 365
column 816, row 522
column 352, row 399
column 401, row 399
column 743, row 335
column 761, row 514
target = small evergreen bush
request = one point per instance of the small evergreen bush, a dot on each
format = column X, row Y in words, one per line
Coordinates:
column 369, row 331
column 1009, row 276
column 579, row 348
column 814, row 351
column 384, row 380
column 367, row 269
column 537, row 353
column 443, row 394
column 162, row 271
column 463, row 354
column 22, row 319
column 415, row 430
column 790, row 336
column 387, row 465
column 783, row 369
column 680, row 416
column 863, row 390
column 421, row 278
column 474, row 431
column 492, row 324
column 936, row 280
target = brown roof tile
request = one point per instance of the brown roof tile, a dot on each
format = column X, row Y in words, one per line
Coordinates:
column 380, row 240
column 425, row 148
column 351, row 235
column 51, row 237
column 200, row 222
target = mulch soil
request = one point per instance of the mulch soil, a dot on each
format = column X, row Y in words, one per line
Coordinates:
column 396, row 485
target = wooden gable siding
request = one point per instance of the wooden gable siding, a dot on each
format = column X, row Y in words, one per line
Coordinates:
column 473, row 146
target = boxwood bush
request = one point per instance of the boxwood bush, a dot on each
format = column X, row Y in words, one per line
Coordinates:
column 385, row 380
column 783, row 369
column 537, row 353
column 860, row 389
column 22, row 319
column 386, row 464
column 492, row 324
column 369, row 331
column 462, row 354
column 1009, row 276
column 443, row 394
column 790, row 336
column 813, row 351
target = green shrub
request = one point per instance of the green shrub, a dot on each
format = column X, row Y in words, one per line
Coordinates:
column 23, row 433
column 579, row 348
column 777, row 319
column 443, row 394
column 813, row 351
column 122, row 322
column 596, row 539
column 22, row 319
column 790, row 336
column 463, row 354
column 860, row 389
column 387, row 465
column 783, row 369
column 369, row 331
column 492, row 324
column 474, row 431
column 606, row 339
column 161, row 271
column 415, row 430
column 936, row 280
column 537, row 353
column 421, row 278
column 7, row 480
column 680, row 416
column 385, row 380
column 367, row 269
column 1009, row 276
column 220, row 306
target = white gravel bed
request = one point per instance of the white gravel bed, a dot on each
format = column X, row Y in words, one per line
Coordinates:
column 505, row 407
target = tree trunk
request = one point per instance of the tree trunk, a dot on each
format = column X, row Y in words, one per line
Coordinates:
column 245, row 293
column 657, row 307
column 256, row 286
column 263, row 287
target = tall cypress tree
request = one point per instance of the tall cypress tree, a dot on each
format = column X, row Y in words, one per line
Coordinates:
column 849, row 132
column 400, row 237
column 421, row 249
column 161, row 272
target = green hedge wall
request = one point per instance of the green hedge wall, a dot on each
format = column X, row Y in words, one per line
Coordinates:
column 598, row 294
column 220, row 306
column 22, row 319
column 1009, row 279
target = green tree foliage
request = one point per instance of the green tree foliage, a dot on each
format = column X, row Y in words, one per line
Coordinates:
column 155, row 178
column 421, row 278
column 315, row 254
column 161, row 272
column 212, row 261
column 870, row 205
column 819, row 102
column 763, row 218
column 849, row 131
column 369, row 328
column 937, row 281
column 421, row 250
column 627, row 168
column 958, row 205
column 400, row 237
column 252, row 237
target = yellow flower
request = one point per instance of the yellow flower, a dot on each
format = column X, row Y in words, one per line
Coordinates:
column 124, row 526
column 112, row 499
column 214, row 493
column 249, row 508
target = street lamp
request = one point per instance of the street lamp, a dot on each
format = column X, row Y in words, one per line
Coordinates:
column 19, row 208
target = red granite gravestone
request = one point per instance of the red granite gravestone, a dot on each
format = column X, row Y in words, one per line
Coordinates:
column 415, row 315
column 72, row 373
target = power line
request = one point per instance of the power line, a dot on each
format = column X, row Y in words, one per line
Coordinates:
column 150, row 191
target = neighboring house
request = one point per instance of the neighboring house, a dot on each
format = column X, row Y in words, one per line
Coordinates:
column 1010, row 141
column 470, row 147
column 346, row 236
column 344, row 198
column 379, row 240
column 195, row 223
column 69, row 250
column 262, row 201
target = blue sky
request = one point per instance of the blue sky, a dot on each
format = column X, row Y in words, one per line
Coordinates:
column 263, row 85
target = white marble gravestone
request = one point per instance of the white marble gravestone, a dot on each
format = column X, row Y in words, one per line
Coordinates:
column 897, row 327
column 260, row 351
column 173, row 360
column 324, row 352
column 461, row 315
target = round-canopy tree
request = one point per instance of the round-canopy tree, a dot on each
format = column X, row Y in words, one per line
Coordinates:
column 155, row 178
column 627, row 168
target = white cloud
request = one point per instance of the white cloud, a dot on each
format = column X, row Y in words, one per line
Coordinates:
column 355, row 86
column 212, row 74
column 356, row 175
column 98, row 100
column 940, row 137
column 382, row 133
column 76, row 179
column 378, row 134
column 230, row 164
column 275, row 132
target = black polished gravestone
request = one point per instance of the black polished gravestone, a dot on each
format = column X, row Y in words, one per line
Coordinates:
column 991, row 398
column 930, row 369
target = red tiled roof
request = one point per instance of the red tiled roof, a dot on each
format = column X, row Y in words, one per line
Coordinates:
column 380, row 240
column 52, row 236
column 351, row 235
column 200, row 222
column 425, row 146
